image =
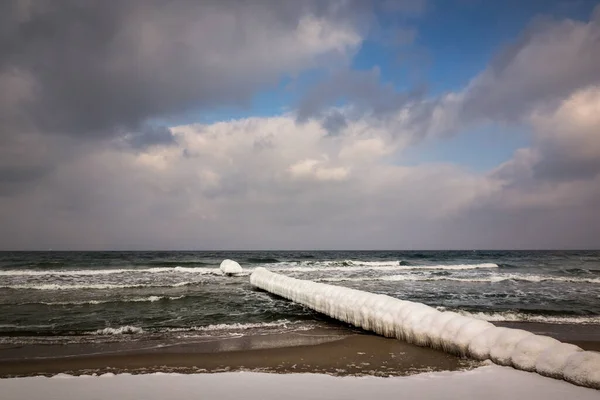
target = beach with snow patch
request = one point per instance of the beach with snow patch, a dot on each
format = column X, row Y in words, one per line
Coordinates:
column 180, row 313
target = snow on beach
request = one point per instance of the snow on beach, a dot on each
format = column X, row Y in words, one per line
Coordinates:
column 489, row 382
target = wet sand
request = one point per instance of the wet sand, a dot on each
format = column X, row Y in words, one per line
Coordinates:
column 336, row 351
column 312, row 351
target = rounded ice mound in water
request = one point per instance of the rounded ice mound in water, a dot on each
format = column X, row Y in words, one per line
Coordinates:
column 230, row 267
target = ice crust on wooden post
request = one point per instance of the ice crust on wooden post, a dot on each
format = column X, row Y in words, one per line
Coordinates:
column 230, row 267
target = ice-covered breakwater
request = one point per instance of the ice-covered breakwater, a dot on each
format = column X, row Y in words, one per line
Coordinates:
column 422, row 325
column 230, row 267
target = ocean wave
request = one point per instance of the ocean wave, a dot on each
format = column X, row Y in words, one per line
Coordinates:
column 508, row 266
column 26, row 327
column 179, row 269
column 452, row 267
column 128, row 329
column 527, row 278
column 484, row 279
column 346, row 265
column 513, row 316
column 98, row 286
column 177, row 262
column 581, row 271
column 236, row 326
column 261, row 260
column 380, row 266
column 371, row 263
column 208, row 330
column 122, row 330
column 149, row 299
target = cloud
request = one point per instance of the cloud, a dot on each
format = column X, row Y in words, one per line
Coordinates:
column 562, row 166
column 363, row 91
column 89, row 104
column 97, row 66
column 548, row 62
column 150, row 136
column 94, row 70
column 334, row 122
column 213, row 189
column 314, row 170
column 569, row 137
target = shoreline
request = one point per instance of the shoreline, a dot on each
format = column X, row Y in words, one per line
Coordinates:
column 334, row 351
column 318, row 351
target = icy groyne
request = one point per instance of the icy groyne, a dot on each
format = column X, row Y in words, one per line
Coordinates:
column 230, row 267
column 422, row 325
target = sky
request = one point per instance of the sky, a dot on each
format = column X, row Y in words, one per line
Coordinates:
column 342, row 124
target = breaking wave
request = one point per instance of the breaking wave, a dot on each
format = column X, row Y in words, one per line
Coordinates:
column 484, row 279
column 128, row 329
column 150, row 299
column 122, row 330
column 98, row 286
column 514, row 316
column 379, row 266
column 261, row 260
column 240, row 326
column 27, row 272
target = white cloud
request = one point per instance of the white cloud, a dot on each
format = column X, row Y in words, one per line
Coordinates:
column 313, row 169
column 270, row 182
column 215, row 184
column 574, row 127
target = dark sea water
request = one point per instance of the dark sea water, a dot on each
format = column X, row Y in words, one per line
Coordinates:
column 66, row 297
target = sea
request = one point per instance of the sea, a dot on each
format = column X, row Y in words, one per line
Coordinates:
column 160, row 296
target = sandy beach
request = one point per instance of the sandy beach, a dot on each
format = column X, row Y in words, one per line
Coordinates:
column 335, row 352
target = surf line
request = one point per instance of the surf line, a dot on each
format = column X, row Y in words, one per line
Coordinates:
column 422, row 325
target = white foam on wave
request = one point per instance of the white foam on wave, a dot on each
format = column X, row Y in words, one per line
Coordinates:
column 512, row 316
column 239, row 326
column 372, row 263
column 92, row 272
column 350, row 265
column 122, row 330
column 150, row 299
column 482, row 279
column 425, row 326
column 94, row 286
column 26, row 327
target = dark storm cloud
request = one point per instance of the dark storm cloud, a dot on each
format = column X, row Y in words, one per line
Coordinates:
column 96, row 70
column 151, row 136
column 100, row 66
